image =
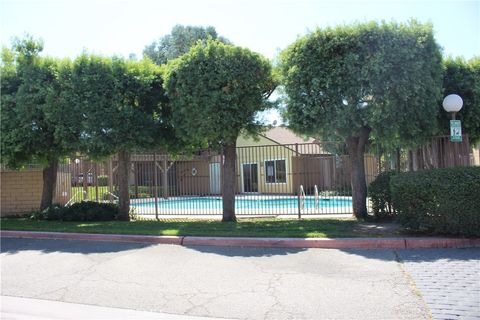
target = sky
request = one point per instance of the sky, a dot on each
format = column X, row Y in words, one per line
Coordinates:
column 122, row 27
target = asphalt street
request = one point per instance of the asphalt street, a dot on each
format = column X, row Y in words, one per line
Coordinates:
column 223, row 282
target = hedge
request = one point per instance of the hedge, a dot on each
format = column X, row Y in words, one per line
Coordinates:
column 80, row 211
column 445, row 201
column 381, row 196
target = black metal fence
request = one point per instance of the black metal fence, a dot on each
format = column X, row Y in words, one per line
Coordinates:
column 305, row 179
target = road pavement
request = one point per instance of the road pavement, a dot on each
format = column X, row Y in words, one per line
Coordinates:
column 448, row 280
column 220, row 282
column 14, row 308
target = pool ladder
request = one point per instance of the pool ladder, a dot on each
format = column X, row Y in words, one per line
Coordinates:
column 302, row 197
column 301, row 201
column 316, row 200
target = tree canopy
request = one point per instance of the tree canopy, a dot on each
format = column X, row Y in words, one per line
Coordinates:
column 119, row 107
column 30, row 93
column 119, row 104
column 215, row 91
column 179, row 42
column 356, row 81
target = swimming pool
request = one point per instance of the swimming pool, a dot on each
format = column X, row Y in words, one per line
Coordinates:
column 259, row 202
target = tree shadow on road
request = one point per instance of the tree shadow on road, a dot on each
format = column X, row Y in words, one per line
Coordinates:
column 418, row 255
column 246, row 251
column 15, row 245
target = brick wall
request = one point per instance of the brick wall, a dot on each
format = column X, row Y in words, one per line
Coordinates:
column 21, row 191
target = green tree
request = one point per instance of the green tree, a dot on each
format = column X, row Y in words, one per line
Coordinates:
column 120, row 107
column 179, row 41
column 363, row 80
column 215, row 91
column 463, row 78
column 30, row 93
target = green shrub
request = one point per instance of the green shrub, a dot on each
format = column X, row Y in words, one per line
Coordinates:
column 444, row 201
column 91, row 211
column 80, row 211
column 381, row 197
column 54, row 212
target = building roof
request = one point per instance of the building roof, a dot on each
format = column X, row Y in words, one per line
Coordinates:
column 289, row 139
column 283, row 135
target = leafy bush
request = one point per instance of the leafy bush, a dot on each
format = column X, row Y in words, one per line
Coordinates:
column 381, row 197
column 443, row 201
column 54, row 212
column 80, row 211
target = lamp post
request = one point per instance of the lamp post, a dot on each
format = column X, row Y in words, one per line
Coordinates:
column 452, row 104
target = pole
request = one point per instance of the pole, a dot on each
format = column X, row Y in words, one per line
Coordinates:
column 165, row 177
column 155, row 182
column 85, row 179
column 96, row 181
column 299, row 205
column 455, row 147
column 110, row 180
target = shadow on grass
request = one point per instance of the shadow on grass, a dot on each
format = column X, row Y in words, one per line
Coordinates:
column 276, row 228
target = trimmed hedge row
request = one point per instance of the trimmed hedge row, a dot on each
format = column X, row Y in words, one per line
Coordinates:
column 80, row 211
column 445, row 201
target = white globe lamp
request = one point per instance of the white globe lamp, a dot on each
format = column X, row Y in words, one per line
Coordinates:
column 452, row 103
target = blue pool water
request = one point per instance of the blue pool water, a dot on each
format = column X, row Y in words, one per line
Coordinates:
column 242, row 203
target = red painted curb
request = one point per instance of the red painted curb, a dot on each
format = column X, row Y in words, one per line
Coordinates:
column 326, row 243
column 94, row 237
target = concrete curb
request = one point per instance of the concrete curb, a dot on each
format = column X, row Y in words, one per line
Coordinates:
column 93, row 237
column 326, row 243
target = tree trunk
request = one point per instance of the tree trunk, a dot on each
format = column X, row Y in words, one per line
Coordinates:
column 380, row 161
column 410, row 160
column 123, row 194
column 229, row 172
column 356, row 150
column 397, row 159
column 416, row 156
column 49, row 183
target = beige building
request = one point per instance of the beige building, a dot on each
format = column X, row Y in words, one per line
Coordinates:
column 280, row 161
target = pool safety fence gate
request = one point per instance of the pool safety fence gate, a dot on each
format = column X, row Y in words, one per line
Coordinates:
column 296, row 179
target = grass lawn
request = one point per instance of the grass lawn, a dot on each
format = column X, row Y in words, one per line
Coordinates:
column 245, row 227
column 78, row 193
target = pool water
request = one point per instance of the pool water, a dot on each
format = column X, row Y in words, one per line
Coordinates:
column 243, row 203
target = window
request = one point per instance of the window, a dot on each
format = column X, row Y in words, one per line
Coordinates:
column 275, row 171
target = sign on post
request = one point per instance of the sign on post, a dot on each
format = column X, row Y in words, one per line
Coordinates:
column 455, row 131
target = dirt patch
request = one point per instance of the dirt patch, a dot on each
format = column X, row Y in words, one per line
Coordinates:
column 378, row 229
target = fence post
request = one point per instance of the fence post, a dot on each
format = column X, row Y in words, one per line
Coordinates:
column 85, row 179
column 155, row 182
column 96, row 181
column 299, row 206
column 165, row 177
column 110, row 180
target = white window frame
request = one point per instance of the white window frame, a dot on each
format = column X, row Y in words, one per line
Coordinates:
column 275, row 167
